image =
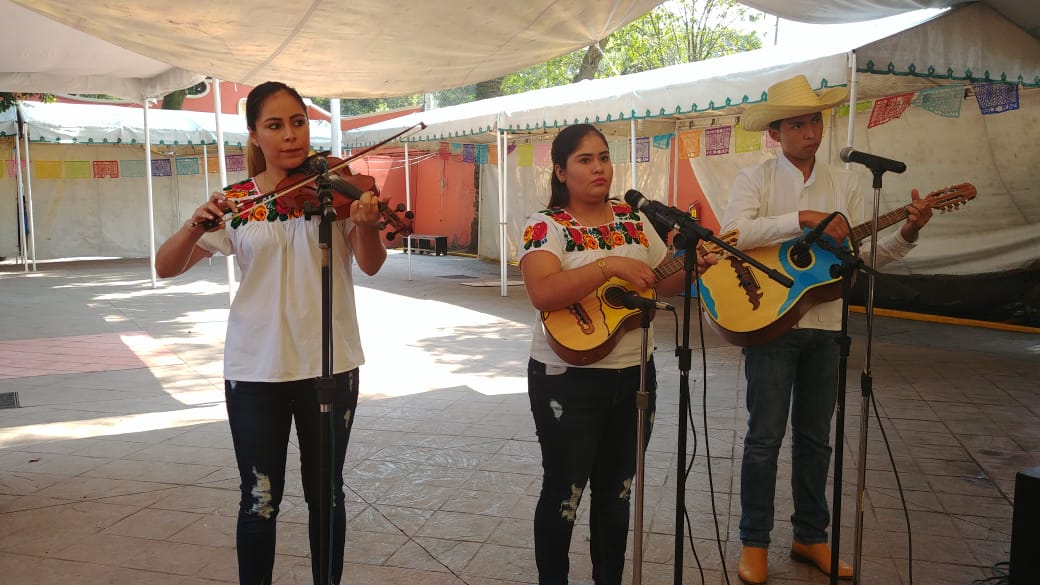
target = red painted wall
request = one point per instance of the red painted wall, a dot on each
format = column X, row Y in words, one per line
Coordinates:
column 442, row 192
column 690, row 192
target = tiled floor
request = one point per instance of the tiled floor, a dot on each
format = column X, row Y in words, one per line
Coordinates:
column 117, row 467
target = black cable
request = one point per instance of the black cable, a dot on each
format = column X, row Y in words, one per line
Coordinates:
column 707, row 450
column 902, row 496
column 1001, row 574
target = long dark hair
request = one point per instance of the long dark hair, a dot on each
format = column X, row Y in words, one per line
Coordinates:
column 564, row 145
column 255, row 162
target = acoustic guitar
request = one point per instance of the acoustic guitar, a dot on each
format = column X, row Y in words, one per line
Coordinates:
column 585, row 332
column 745, row 307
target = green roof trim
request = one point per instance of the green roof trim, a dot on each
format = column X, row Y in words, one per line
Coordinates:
column 932, row 73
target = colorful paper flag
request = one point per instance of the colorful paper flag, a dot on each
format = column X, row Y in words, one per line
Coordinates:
column 995, row 98
column 745, row 141
column 944, row 101
column 525, row 155
column 161, row 167
column 543, row 154
column 663, row 141
column 131, row 168
column 889, row 108
column 468, row 153
column 46, row 169
column 187, row 165
column 716, row 140
column 482, row 154
column 106, row 169
column 690, row 144
column 235, row 162
column 618, row 151
column 642, row 149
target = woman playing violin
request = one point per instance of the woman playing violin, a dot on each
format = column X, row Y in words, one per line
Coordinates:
column 273, row 349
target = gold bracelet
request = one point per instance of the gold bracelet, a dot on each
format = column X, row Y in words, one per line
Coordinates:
column 602, row 263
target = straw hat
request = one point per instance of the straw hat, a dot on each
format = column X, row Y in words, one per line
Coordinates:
column 790, row 98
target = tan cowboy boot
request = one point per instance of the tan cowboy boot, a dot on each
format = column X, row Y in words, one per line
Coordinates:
column 753, row 568
column 819, row 555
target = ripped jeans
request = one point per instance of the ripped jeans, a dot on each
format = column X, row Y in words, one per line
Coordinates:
column 586, row 424
column 260, row 415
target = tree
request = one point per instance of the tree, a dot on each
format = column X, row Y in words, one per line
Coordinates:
column 9, row 99
column 678, row 31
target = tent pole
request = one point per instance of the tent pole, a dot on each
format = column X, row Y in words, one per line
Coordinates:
column 675, row 166
column 28, row 199
column 408, row 206
column 22, row 214
column 222, row 165
column 148, row 186
column 632, row 150
column 205, row 172
column 337, row 128
column 853, row 90
column 502, row 231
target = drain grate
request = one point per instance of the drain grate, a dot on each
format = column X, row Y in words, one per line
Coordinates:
column 9, row 400
column 455, row 276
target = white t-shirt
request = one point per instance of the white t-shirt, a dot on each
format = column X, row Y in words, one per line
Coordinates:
column 556, row 232
column 274, row 328
column 764, row 206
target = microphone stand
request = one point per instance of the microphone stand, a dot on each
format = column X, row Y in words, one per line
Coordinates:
column 642, row 404
column 850, row 263
column 689, row 235
column 866, row 392
column 325, row 384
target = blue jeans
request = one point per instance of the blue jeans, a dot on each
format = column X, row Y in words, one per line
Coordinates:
column 261, row 414
column 586, row 424
column 797, row 372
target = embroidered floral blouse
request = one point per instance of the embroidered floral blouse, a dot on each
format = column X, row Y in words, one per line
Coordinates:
column 629, row 234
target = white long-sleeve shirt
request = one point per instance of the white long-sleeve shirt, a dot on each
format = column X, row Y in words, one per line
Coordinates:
column 764, row 204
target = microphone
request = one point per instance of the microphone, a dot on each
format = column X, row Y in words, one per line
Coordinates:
column 871, row 161
column 632, row 300
column 318, row 164
column 661, row 214
column 804, row 243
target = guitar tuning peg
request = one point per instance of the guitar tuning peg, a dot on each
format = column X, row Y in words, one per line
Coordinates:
column 390, row 236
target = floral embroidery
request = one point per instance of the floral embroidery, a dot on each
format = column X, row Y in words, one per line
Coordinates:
column 626, row 229
column 274, row 210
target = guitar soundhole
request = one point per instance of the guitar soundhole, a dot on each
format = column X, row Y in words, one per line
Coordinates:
column 803, row 259
column 613, row 296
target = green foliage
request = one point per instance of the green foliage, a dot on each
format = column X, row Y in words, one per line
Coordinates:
column 174, row 100
column 9, row 99
column 678, row 31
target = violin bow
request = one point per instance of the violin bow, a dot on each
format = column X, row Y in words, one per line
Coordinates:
column 264, row 199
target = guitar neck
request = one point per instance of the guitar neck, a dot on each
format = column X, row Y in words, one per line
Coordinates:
column 668, row 268
column 863, row 230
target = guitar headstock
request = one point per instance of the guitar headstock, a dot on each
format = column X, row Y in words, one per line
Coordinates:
column 951, row 198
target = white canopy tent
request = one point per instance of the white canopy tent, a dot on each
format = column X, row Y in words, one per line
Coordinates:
column 89, row 124
column 970, row 42
column 1024, row 13
column 78, row 215
column 333, row 48
column 350, row 48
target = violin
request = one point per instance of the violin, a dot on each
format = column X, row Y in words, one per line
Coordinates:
column 347, row 187
column 299, row 192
